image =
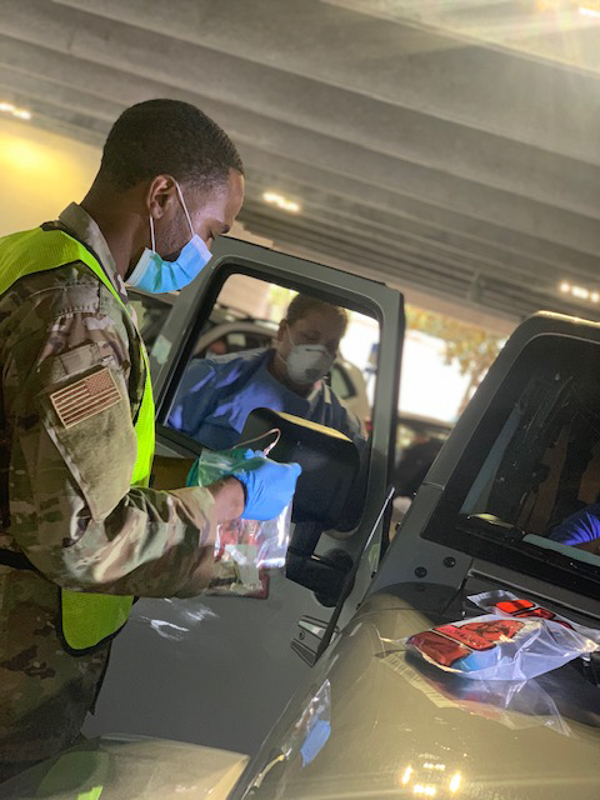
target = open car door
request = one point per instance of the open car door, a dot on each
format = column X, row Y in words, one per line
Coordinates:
column 218, row 669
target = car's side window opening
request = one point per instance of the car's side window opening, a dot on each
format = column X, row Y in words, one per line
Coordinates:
column 265, row 350
column 237, row 360
column 266, row 346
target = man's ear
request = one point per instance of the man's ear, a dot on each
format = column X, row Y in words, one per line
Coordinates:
column 161, row 192
column 281, row 330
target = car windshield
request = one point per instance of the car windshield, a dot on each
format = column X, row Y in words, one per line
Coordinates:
column 534, row 472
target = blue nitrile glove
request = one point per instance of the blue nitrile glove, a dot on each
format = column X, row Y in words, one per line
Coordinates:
column 270, row 486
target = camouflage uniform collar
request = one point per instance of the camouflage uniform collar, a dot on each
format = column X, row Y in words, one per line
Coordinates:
column 86, row 230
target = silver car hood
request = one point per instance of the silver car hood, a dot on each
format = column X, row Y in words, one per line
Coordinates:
column 128, row 768
column 392, row 727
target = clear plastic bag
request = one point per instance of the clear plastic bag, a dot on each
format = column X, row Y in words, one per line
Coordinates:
column 313, row 729
column 493, row 647
column 302, row 744
column 514, row 704
column 245, row 550
column 507, row 604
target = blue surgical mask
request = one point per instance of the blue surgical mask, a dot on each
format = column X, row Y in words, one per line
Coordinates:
column 154, row 274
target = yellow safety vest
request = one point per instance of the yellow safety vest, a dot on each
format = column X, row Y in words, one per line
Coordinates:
column 87, row 618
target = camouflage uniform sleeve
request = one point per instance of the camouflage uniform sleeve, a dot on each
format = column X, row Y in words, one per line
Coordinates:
column 72, row 510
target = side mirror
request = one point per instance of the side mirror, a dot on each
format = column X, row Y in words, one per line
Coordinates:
column 330, row 463
column 330, row 467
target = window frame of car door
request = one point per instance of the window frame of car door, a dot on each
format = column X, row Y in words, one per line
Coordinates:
column 194, row 305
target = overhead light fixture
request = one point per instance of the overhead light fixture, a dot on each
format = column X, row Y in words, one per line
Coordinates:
column 281, row 202
column 580, row 292
column 13, row 110
column 427, row 791
column 407, row 775
column 586, row 11
column 455, row 782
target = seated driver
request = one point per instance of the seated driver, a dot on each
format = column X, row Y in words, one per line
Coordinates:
column 581, row 529
column 217, row 394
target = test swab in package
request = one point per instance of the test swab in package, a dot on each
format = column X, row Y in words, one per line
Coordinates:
column 505, row 646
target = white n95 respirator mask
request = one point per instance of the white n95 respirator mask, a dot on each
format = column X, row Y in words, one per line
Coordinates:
column 307, row 363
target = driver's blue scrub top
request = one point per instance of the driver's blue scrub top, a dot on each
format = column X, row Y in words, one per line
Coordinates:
column 581, row 527
column 217, row 395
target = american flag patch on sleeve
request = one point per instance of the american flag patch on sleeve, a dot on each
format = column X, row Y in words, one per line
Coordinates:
column 86, row 398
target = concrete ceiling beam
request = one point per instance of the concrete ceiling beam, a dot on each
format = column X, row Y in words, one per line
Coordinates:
column 426, row 142
column 424, row 70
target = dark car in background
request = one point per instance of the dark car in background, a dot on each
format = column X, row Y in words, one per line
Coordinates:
column 418, row 441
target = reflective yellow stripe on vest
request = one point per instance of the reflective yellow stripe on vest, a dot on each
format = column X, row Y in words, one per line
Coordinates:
column 87, row 618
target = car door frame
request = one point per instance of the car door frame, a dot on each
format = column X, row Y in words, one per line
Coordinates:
column 177, row 341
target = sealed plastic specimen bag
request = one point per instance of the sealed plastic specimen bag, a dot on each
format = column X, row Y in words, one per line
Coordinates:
column 493, row 647
column 507, row 604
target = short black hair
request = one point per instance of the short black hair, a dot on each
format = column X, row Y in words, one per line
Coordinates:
column 167, row 137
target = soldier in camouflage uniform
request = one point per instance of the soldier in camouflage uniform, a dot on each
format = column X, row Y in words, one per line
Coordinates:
column 68, row 512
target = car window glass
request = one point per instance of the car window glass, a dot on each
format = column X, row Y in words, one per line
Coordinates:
column 248, row 356
column 536, row 482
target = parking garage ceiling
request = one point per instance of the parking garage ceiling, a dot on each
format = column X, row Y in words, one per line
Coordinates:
column 449, row 146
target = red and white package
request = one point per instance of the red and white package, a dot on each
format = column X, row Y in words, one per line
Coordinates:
column 507, row 604
column 494, row 647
